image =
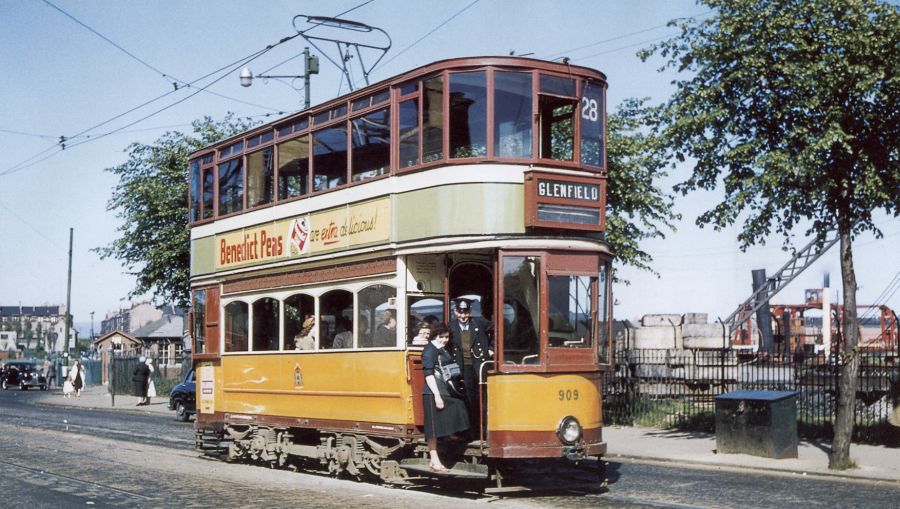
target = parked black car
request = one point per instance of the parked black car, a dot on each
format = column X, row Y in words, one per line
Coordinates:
column 183, row 398
column 25, row 374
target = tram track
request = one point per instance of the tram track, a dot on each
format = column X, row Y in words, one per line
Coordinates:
column 73, row 485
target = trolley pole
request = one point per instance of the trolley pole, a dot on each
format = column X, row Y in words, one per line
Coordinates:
column 68, row 297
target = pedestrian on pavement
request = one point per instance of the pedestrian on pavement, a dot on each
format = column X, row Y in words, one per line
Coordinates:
column 76, row 376
column 151, row 387
column 49, row 372
column 140, row 376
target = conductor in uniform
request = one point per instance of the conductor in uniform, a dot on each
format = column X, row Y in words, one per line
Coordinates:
column 470, row 337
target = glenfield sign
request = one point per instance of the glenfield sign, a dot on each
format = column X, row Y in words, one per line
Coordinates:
column 565, row 201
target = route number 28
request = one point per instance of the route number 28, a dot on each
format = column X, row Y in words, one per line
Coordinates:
column 589, row 109
column 568, row 394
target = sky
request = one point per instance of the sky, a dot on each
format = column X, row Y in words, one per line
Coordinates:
column 83, row 69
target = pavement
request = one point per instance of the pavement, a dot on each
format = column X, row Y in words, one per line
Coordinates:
column 874, row 463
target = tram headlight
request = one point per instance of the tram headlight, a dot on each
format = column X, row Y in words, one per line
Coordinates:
column 569, row 430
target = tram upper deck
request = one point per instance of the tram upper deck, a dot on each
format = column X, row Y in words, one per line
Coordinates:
column 473, row 147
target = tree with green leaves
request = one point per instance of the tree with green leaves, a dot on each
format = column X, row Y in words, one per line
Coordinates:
column 792, row 108
column 637, row 208
column 151, row 199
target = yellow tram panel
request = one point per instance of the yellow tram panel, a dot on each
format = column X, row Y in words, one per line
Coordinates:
column 346, row 386
column 537, row 402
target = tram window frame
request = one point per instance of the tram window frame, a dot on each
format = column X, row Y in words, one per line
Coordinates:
column 237, row 202
column 505, row 364
column 202, row 188
column 554, row 276
column 385, row 301
column 198, row 321
column 413, row 319
column 291, row 326
column 229, row 337
column 305, row 180
column 318, row 159
column 262, row 160
column 329, row 315
column 587, row 110
column 473, row 149
column 356, row 150
column 260, row 344
column 500, row 111
column 604, row 313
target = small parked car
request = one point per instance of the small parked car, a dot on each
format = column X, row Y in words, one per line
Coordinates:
column 25, row 374
column 183, row 398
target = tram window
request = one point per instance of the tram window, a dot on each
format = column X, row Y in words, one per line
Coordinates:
column 293, row 168
column 433, row 120
column 376, row 304
column 236, row 327
column 231, row 186
column 512, row 114
column 208, row 192
column 409, row 133
column 521, row 309
column 603, row 314
column 260, row 177
column 423, row 309
column 468, row 114
column 371, row 139
column 557, row 85
column 334, row 306
column 194, row 173
column 592, row 124
column 557, row 124
column 570, row 311
column 329, row 158
column 199, row 325
column 298, row 334
column 265, row 325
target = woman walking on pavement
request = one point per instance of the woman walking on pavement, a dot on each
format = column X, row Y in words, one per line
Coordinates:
column 140, row 376
column 76, row 376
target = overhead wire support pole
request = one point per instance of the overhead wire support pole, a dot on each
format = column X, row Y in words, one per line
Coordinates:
column 803, row 259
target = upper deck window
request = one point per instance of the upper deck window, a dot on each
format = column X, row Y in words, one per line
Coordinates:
column 557, row 85
column 409, row 133
column 329, row 157
column 231, row 150
column 202, row 192
column 231, row 186
column 371, row 145
column 433, row 119
column 195, row 190
column 468, row 114
column 294, row 127
column 592, row 124
column 512, row 114
column 293, row 168
column 371, row 100
column 260, row 177
column 260, row 139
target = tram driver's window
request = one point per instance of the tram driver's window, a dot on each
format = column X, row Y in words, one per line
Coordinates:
column 378, row 314
column 236, row 321
column 570, row 314
column 557, row 118
column 521, row 310
column 265, row 325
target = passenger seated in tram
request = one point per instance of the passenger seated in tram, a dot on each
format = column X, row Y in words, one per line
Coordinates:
column 423, row 334
column 386, row 333
column 344, row 337
column 306, row 339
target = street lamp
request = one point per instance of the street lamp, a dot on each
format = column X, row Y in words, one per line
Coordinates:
column 310, row 64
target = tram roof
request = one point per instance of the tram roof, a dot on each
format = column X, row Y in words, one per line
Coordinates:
column 459, row 63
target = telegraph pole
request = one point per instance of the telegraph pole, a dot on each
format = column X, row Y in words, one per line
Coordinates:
column 68, row 295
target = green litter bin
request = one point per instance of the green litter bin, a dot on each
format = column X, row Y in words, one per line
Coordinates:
column 760, row 423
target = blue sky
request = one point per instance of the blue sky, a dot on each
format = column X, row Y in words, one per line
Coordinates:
column 61, row 79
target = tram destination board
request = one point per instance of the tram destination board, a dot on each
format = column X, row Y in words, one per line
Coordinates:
column 565, row 201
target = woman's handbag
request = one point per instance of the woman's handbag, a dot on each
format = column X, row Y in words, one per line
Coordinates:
column 151, row 390
column 451, row 374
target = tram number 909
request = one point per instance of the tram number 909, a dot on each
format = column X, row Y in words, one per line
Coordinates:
column 568, row 394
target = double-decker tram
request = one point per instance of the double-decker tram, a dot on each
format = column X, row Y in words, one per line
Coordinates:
column 319, row 241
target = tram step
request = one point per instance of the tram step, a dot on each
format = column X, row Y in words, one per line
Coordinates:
column 460, row 469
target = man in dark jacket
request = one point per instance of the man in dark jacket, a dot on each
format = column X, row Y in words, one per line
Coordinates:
column 140, row 378
column 470, row 337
